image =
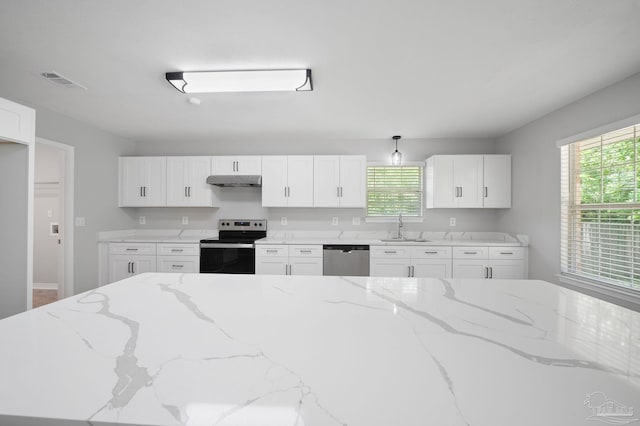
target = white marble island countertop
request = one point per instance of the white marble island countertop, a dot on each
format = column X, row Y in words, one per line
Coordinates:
column 205, row 349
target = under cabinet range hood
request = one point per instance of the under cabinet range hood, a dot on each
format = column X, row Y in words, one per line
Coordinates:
column 235, row 180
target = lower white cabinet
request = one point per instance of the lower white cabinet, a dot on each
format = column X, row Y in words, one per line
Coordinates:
column 490, row 262
column 129, row 259
column 282, row 259
column 410, row 261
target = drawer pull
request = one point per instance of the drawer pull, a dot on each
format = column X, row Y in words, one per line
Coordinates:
column 271, row 251
column 305, row 251
column 430, row 252
column 506, row 252
column 132, row 249
column 177, row 266
column 390, row 251
column 177, row 250
column 470, row 252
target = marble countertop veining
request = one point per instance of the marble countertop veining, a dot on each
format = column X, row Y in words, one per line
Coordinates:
column 248, row 350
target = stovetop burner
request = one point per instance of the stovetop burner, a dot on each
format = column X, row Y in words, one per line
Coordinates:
column 240, row 231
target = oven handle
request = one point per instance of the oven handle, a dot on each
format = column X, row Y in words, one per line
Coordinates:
column 226, row 245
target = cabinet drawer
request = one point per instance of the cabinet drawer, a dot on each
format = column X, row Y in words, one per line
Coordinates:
column 133, row 248
column 274, row 250
column 470, row 253
column 178, row 264
column 179, row 249
column 305, row 251
column 389, row 251
column 427, row 252
column 506, row 253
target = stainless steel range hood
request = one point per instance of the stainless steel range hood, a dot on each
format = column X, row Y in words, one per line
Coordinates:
column 235, row 180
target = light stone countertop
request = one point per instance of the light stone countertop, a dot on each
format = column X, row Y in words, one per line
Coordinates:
column 204, row 349
column 156, row 236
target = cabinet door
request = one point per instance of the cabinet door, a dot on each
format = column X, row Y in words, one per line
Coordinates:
column 469, row 268
column 274, row 181
column 326, row 181
column 380, row 267
column 305, row 266
column 497, row 181
column 178, row 177
column 131, row 181
column 223, row 165
column 271, row 265
column 17, row 122
column 436, row 268
column 507, row 269
column 200, row 193
column 353, row 181
column 441, row 181
column 468, row 177
column 123, row 266
column 299, row 181
column 249, row 165
column 142, row 264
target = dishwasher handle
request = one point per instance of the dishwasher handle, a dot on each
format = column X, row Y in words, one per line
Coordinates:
column 345, row 248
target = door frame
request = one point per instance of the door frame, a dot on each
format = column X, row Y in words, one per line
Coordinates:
column 65, row 289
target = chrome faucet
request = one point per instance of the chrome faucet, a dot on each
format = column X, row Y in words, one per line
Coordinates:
column 400, row 225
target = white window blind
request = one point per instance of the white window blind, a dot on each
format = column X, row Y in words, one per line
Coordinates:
column 394, row 190
column 600, row 208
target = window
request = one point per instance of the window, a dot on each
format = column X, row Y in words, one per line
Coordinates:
column 394, row 190
column 601, row 208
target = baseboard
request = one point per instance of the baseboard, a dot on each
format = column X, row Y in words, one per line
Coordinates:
column 45, row 286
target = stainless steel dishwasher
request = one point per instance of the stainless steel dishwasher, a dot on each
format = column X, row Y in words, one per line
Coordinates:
column 345, row 260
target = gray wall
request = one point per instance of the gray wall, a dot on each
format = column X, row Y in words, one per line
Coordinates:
column 245, row 202
column 536, row 168
column 14, row 160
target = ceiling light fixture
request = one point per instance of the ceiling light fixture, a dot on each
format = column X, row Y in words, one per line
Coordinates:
column 241, row 81
column 396, row 156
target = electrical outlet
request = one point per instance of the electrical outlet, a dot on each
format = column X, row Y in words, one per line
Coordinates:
column 49, row 213
column 142, row 220
column 334, row 220
column 452, row 221
column 355, row 221
column 283, row 221
column 185, row 220
column 80, row 221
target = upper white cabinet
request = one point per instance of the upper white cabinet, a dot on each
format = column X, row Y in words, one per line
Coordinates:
column 186, row 182
column 287, row 181
column 17, row 122
column 468, row 181
column 339, row 181
column 236, row 165
column 143, row 181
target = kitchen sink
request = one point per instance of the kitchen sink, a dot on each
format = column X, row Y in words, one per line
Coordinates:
column 405, row 240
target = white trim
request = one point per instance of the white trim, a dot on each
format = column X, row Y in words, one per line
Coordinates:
column 404, row 164
column 619, row 293
column 617, row 125
column 66, row 289
column 45, row 286
column 393, row 219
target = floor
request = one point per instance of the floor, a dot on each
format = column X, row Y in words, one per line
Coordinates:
column 43, row 297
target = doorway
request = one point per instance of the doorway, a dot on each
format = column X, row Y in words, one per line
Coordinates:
column 53, row 219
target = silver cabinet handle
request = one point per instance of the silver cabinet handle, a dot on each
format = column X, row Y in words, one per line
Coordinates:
column 132, row 249
column 338, row 191
column 460, row 192
column 305, row 251
column 185, row 191
column 128, row 267
column 177, row 266
column 430, row 252
column 141, row 191
column 133, row 269
column 390, row 251
column 145, row 191
column 409, row 271
column 486, row 192
column 490, row 272
column 486, row 272
column 506, row 252
column 413, row 271
column 271, row 251
column 470, row 252
column 288, row 191
column 177, row 250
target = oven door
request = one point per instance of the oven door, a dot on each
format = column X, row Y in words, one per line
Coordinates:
column 227, row 258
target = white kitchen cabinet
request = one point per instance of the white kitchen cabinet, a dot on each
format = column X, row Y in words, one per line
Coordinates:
column 339, row 181
column 289, row 259
column 178, row 257
column 497, row 181
column 468, row 181
column 186, row 182
column 490, row 262
column 410, row 261
column 129, row 259
column 287, row 181
column 236, row 165
column 143, row 181
column 17, row 122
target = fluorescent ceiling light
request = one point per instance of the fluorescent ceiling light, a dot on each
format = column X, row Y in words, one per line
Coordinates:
column 241, row 81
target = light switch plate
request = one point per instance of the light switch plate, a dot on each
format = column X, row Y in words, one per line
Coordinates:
column 185, row 220
column 142, row 220
column 334, row 220
column 452, row 221
column 80, row 221
column 355, row 221
column 283, row 221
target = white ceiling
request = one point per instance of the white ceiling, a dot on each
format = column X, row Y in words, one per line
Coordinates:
column 419, row 68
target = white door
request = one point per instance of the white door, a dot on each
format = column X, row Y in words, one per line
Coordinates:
column 223, row 165
column 131, row 181
column 119, row 267
column 444, row 192
column 155, row 181
column 249, row 165
column 299, row 181
column 468, row 179
column 178, row 177
column 200, row 193
column 271, row 265
column 326, row 180
column 389, row 267
column 353, row 181
column 435, row 268
column 497, row 181
column 507, row 269
column 305, row 266
column 469, row 268
column 274, row 181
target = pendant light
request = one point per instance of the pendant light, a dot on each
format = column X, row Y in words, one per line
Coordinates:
column 396, row 157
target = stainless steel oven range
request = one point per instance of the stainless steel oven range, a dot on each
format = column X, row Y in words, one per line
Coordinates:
column 233, row 252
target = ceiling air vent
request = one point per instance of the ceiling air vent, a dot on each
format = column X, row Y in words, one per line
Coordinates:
column 61, row 80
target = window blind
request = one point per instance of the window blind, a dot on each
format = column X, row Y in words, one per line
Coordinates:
column 600, row 208
column 394, row 190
